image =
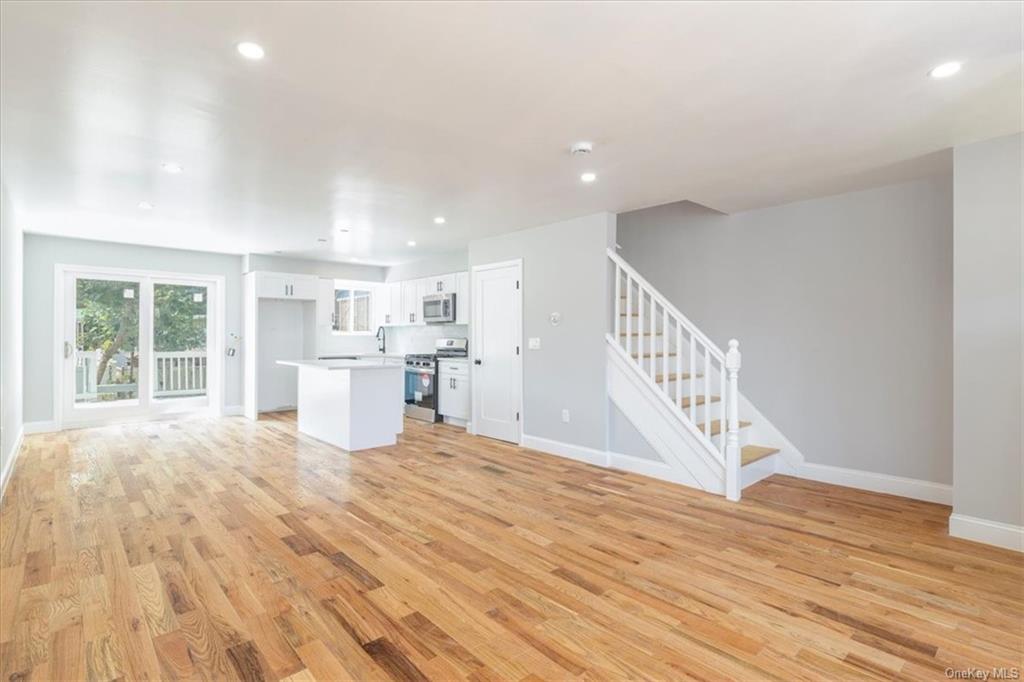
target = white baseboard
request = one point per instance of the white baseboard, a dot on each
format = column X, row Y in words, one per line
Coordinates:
column 577, row 452
column 5, row 475
column 928, row 491
column 233, row 410
column 996, row 533
column 48, row 426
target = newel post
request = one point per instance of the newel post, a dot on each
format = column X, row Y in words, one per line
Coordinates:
column 732, row 438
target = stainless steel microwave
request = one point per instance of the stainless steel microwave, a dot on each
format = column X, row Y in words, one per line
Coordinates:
column 439, row 308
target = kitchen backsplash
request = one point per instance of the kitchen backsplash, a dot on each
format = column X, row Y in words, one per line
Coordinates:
column 403, row 340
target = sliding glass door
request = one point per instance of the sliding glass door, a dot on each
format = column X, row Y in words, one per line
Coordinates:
column 134, row 346
column 179, row 341
column 106, row 347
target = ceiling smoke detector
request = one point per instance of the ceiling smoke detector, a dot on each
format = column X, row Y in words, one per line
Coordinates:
column 581, row 148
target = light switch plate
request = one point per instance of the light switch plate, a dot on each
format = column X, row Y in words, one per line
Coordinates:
column 533, row 343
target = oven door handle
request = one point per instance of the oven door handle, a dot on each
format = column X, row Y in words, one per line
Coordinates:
column 420, row 370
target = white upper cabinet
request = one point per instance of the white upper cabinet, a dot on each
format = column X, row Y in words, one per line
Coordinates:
column 279, row 285
column 398, row 304
column 462, row 298
column 388, row 304
column 395, row 298
column 439, row 284
column 325, row 303
column 412, row 301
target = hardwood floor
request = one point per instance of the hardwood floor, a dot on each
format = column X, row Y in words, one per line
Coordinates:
column 223, row 549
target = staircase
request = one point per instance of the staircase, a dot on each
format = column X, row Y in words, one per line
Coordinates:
column 680, row 390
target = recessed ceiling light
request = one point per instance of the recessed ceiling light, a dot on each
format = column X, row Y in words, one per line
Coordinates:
column 945, row 70
column 250, row 50
column 410, row 243
column 439, row 220
column 343, row 229
column 172, row 167
column 321, row 240
column 145, row 206
column 588, row 177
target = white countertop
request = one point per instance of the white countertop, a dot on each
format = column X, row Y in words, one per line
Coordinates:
column 378, row 363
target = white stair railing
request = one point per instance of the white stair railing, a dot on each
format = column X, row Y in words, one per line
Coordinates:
column 642, row 313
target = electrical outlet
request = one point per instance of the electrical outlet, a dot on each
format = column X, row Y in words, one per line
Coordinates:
column 533, row 343
column 565, row 416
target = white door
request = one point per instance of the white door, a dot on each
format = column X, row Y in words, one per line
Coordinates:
column 496, row 350
column 134, row 346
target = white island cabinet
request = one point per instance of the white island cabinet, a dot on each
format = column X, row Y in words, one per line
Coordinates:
column 353, row 404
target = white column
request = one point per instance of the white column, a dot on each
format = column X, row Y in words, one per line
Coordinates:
column 732, row 441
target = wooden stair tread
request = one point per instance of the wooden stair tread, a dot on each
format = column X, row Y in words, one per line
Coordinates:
column 751, row 453
column 673, row 376
column 716, row 426
column 685, row 402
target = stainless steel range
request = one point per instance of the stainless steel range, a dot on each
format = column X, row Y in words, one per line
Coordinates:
column 421, row 378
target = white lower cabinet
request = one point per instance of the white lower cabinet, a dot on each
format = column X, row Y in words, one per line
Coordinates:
column 453, row 389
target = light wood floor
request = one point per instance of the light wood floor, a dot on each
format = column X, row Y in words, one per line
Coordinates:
column 222, row 549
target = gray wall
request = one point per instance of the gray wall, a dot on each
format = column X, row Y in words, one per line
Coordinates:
column 10, row 334
column 42, row 253
column 987, row 412
column 453, row 261
column 843, row 310
column 564, row 270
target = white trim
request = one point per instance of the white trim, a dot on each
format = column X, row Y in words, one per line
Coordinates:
column 914, row 488
column 568, row 450
column 48, row 426
column 233, row 410
column 996, row 533
column 497, row 265
column 12, row 456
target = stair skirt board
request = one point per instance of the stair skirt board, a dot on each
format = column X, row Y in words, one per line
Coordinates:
column 682, row 452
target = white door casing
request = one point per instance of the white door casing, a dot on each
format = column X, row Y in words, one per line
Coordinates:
column 496, row 350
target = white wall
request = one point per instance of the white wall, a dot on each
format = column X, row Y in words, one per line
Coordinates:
column 843, row 309
column 11, row 246
column 564, row 271
column 43, row 252
column 988, row 476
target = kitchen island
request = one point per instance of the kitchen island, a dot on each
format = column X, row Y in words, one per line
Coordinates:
column 353, row 404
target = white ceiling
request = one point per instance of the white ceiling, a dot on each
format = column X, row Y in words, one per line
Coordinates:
column 377, row 117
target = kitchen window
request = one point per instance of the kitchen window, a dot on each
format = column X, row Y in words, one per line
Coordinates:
column 353, row 310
